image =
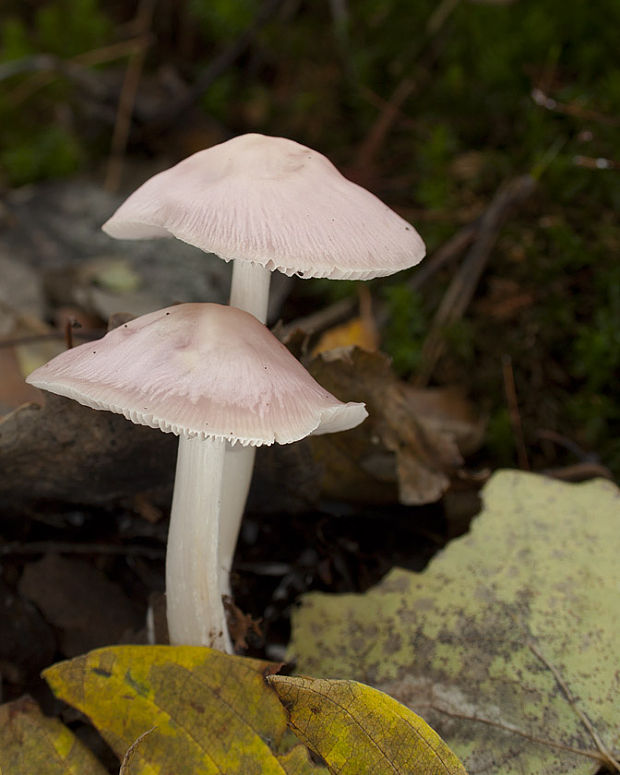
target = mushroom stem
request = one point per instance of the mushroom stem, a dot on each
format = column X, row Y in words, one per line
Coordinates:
column 238, row 467
column 249, row 289
column 195, row 609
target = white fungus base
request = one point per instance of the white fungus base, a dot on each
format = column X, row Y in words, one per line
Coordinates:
column 195, row 610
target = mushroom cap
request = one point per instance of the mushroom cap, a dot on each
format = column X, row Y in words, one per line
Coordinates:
column 199, row 370
column 276, row 203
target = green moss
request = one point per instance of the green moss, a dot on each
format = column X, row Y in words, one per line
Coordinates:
column 49, row 152
column 405, row 328
column 14, row 39
column 70, row 27
column 221, row 18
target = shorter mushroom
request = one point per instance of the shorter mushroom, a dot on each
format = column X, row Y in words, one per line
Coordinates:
column 214, row 376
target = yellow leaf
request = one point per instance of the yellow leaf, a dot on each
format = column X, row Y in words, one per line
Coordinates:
column 209, row 713
column 354, row 332
column 357, row 729
column 32, row 744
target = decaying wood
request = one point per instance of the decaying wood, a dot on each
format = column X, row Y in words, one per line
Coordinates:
column 65, row 451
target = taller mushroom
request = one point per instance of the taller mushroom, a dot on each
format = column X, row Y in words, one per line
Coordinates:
column 270, row 203
column 267, row 203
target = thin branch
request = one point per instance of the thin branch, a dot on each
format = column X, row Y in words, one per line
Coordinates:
column 579, row 472
column 406, row 87
column 516, row 731
column 606, row 754
column 569, row 444
column 132, row 751
column 46, row 67
column 464, row 284
column 515, row 415
column 87, row 336
column 444, row 255
column 319, row 321
column 596, row 163
column 571, row 108
column 383, row 123
column 126, row 102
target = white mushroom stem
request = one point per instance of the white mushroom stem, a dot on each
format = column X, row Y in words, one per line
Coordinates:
column 249, row 288
column 195, row 610
column 249, row 291
column 238, row 468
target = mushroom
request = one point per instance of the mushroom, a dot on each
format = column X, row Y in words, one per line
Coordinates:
column 267, row 203
column 270, row 203
column 213, row 375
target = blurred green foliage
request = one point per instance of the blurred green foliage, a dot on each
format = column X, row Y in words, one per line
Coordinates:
column 221, row 18
column 469, row 122
column 406, row 326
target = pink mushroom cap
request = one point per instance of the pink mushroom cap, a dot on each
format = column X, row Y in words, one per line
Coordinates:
column 273, row 202
column 200, row 370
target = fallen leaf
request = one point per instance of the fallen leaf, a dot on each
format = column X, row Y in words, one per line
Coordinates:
column 32, row 744
column 357, row 729
column 355, row 332
column 508, row 644
column 408, row 447
column 209, row 712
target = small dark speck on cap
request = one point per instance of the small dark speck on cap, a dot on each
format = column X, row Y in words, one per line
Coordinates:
column 407, row 228
column 167, row 313
column 94, row 352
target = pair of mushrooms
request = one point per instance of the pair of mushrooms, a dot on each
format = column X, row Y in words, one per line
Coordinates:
column 215, row 375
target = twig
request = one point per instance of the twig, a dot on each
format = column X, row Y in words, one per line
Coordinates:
column 606, row 754
column 569, row 444
column 440, row 15
column 47, row 63
column 598, row 163
column 516, row 731
column 571, row 108
column 463, row 286
column 88, row 335
column 46, row 67
column 126, row 102
column 15, row 548
column 513, row 409
column 378, row 132
column 131, row 751
column 69, row 326
column 383, row 124
column 580, row 472
column 444, row 255
column 320, row 320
